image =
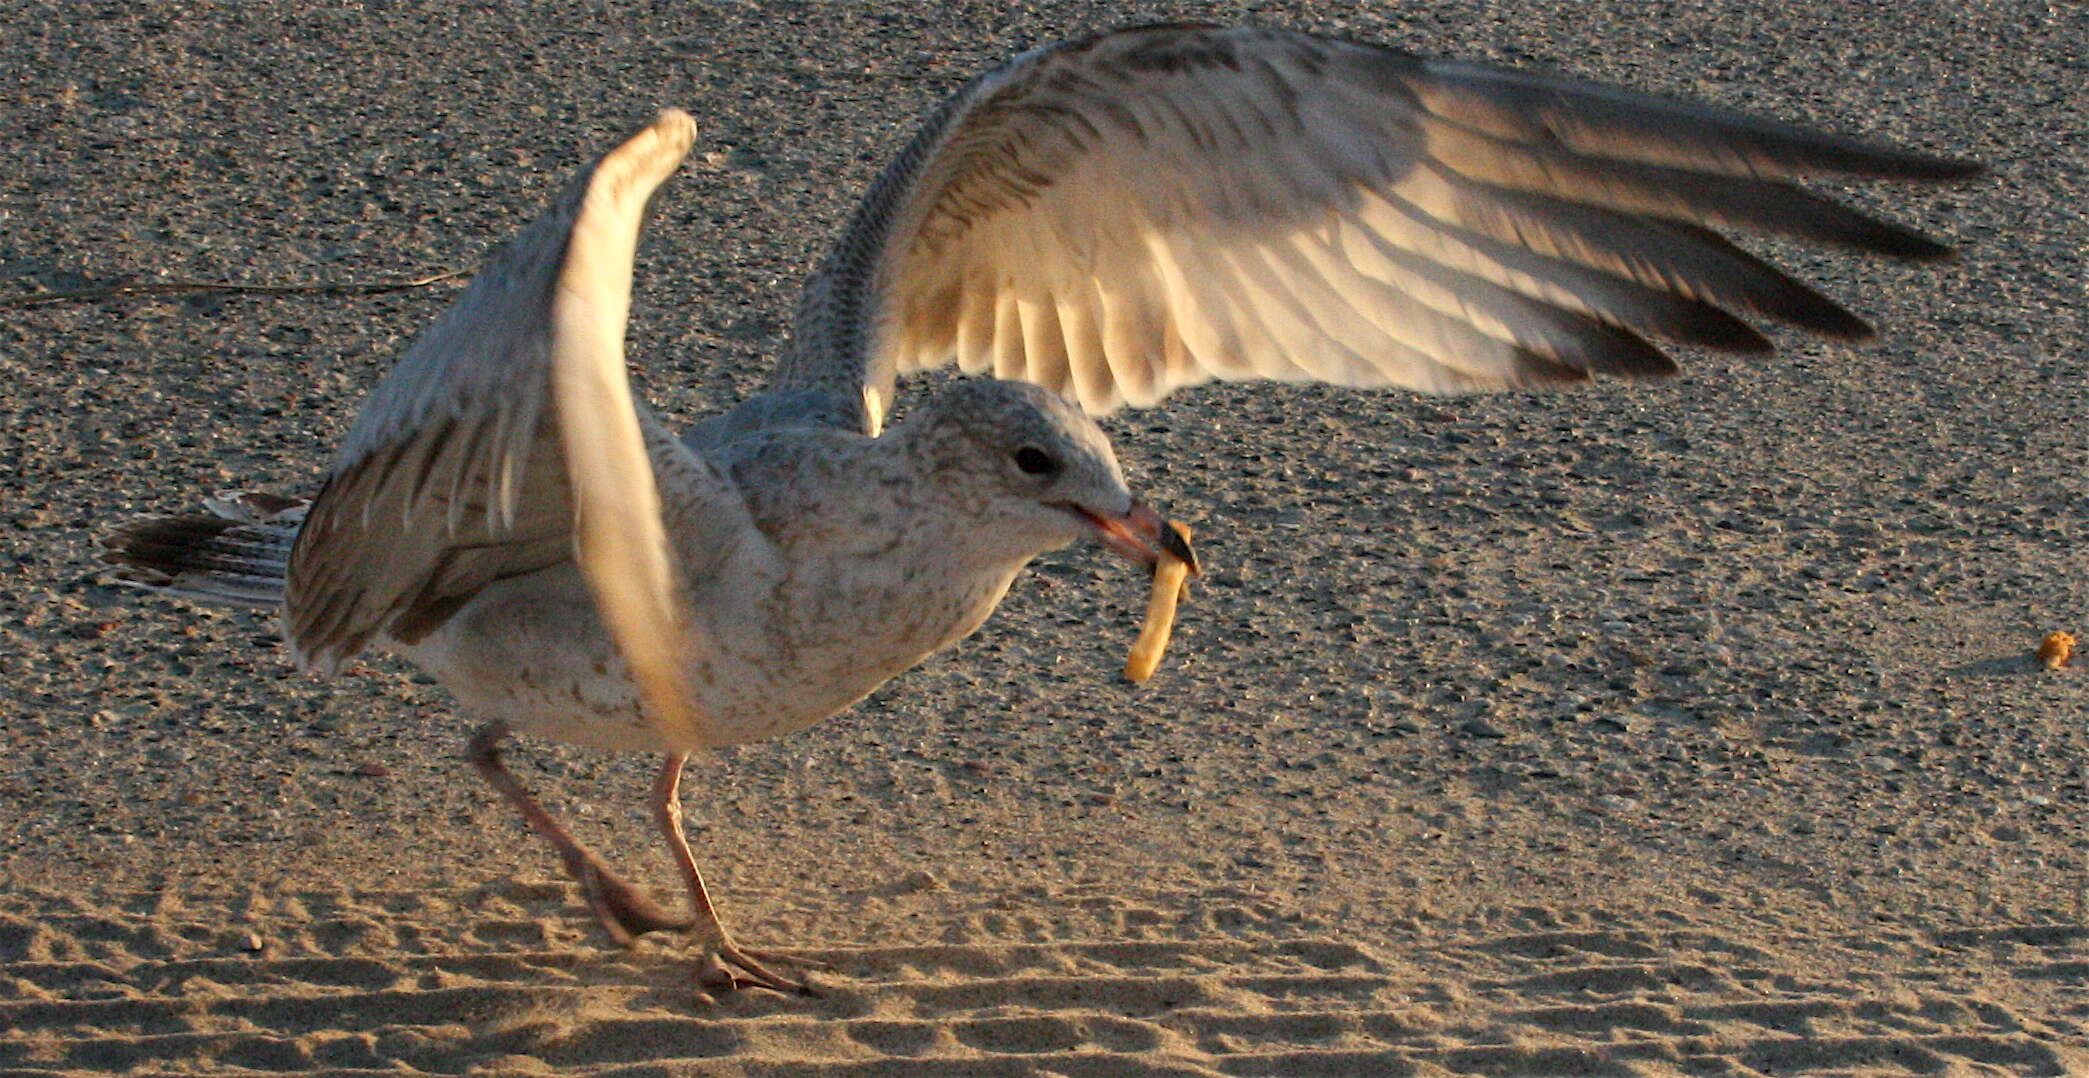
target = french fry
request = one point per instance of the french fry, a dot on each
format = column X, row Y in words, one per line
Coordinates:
column 1171, row 583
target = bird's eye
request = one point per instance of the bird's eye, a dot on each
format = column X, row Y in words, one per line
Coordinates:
column 1035, row 461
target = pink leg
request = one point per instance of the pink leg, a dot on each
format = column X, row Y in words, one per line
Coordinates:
column 625, row 912
column 728, row 966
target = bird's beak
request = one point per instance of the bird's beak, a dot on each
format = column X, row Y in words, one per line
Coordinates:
column 1141, row 535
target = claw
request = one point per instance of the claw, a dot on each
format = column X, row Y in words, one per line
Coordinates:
column 727, row 968
column 780, row 958
column 624, row 911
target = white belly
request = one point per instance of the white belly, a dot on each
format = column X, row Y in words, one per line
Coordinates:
column 533, row 653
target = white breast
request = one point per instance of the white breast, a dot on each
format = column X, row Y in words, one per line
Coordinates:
column 777, row 653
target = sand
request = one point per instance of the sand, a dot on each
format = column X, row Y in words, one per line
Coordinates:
column 1689, row 728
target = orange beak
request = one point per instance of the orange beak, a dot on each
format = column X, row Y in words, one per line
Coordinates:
column 1141, row 535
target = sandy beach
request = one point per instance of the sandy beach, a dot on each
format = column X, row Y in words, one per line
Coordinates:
column 1688, row 728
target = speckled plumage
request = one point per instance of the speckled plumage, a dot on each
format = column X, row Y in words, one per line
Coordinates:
column 863, row 557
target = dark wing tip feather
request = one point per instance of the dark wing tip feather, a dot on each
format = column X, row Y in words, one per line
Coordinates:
column 1805, row 215
column 1908, row 243
column 1808, row 309
column 1644, row 361
column 1878, row 236
column 1903, row 165
column 1709, row 327
column 1602, row 346
column 1535, row 368
column 1631, row 122
column 1637, row 367
column 1848, row 328
column 1811, row 152
column 1618, row 352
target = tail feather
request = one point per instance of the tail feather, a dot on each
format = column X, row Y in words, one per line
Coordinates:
column 240, row 554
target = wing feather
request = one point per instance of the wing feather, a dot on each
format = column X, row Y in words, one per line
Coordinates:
column 1043, row 355
column 1006, row 346
column 1129, row 326
column 1142, row 210
column 506, row 441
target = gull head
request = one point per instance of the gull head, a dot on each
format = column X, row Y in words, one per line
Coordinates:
column 1027, row 471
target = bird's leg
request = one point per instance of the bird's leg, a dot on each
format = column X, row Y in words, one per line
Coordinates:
column 625, row 911
column 727, row 966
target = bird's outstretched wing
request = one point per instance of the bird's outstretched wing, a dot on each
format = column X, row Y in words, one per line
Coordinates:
column 1124, row 215
column 507, row 440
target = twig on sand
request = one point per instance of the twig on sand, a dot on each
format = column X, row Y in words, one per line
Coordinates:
column 197, row 288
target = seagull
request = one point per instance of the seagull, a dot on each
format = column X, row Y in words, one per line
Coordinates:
column 1094, row 224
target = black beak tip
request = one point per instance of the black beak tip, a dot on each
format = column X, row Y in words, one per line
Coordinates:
column 1178, row 547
